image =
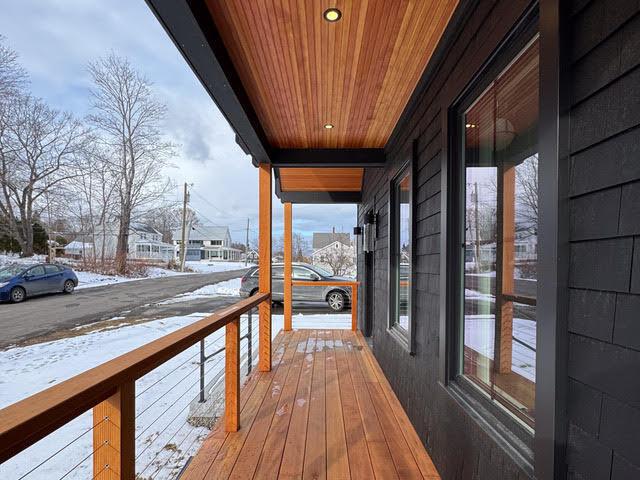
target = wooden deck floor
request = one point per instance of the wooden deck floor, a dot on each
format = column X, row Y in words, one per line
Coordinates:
column 325, row 411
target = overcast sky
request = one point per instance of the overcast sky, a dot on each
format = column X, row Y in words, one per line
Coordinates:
column 57, row 38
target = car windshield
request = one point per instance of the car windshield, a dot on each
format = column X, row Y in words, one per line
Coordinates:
column 10, row 271
column 322, row 271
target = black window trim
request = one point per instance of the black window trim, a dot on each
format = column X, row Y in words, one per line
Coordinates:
column 517, row 440
column 406, row 338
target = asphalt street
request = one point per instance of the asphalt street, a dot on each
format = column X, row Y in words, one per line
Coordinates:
column 39, row 316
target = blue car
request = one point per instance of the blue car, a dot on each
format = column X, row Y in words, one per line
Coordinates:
column 18, row 282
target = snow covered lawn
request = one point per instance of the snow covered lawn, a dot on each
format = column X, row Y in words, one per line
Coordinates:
column 227, row 288
column 164, row 438
column 210, row 267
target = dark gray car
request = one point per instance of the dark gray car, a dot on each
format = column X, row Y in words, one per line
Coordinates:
column 336, row 297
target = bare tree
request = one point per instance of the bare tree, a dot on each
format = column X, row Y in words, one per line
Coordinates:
column 128, row 118
column 39, row 146
column 339, row 257
column 300, row 245
column 12, row 75
column 527, row 183
column 166, row 218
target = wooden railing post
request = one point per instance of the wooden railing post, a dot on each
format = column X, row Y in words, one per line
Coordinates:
column 232, row 376
column 288, row 293
column 264, row 264
column 114, row 436
column 354, row 306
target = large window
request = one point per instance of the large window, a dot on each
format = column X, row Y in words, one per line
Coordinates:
column 499, row 228
column 400, row 255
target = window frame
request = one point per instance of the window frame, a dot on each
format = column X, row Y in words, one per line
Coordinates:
column 406, row 338
column 510, row 432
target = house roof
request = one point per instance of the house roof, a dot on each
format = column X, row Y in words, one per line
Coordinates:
column 204, row 233
column 322, row 239
column 142, row 228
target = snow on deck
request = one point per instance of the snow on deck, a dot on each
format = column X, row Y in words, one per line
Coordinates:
column 164, row 437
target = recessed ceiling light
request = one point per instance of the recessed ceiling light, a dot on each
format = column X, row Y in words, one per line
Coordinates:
column 332, row 15
column 328, row 126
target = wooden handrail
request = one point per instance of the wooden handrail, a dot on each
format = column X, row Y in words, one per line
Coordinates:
column 336, row 283
column 29, row 420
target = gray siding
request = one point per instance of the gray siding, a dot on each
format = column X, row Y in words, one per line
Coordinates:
column 604, row 278
column 457, row 444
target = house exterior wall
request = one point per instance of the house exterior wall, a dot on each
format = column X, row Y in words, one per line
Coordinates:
column 602, row 382
column 603, row 402
column 443, row 425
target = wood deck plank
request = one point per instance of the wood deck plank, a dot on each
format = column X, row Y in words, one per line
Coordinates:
column 424, row 462
column 380, row 450
column 253, row 445
column 337, row 456
column 315, row 456
column 271, row 457
column 358, row 452
column 293, row 457
column 334, row 417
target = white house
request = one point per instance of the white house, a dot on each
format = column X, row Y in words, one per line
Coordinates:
column 207, row 243
column 145, row 243
column 334, row 251
column 77, row 249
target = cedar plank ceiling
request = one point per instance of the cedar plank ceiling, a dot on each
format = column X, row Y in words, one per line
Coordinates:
column 301, row 72
column 321, row 179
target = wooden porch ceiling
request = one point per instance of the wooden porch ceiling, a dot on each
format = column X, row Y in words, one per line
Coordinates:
column 321, row 179
column 302, row 72
column 324, row 411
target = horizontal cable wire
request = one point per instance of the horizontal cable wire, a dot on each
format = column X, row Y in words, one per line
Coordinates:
column 61, row 449
column 83, row 460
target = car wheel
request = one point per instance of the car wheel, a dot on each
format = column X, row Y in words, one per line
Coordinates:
column 69, row 286
column 336, row 301
column 253, row 292
column 18, row 294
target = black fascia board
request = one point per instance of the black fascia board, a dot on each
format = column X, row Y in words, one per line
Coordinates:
column 190, row 25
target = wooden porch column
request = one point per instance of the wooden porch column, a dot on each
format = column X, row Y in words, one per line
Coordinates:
column 506, row 232
column 288, row 301
column 114, row 436
column 232, row 376
column 264, row 264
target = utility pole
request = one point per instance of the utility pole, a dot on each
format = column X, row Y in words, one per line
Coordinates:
column 183, row 246
column 246, row 246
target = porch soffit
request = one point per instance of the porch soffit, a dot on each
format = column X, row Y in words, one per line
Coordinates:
column 301, row 72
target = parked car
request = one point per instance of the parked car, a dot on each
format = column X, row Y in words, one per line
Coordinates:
column 336, row 297
column 17, row 282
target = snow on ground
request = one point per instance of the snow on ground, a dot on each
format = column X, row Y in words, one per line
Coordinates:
column 90, row 279
column 210, row 267
column 227, row 288
column 479, row 331
column 164, row 438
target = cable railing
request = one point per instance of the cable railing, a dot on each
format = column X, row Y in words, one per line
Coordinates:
column 128, row 418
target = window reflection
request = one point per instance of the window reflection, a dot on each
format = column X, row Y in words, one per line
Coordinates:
column 500, row 225
column 402, row 250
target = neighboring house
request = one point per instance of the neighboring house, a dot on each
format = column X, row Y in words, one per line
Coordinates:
column 334, row 252
column 252, row 256
column 322, row 239
column 207, row 243
column 77, row 249
column 145, row 243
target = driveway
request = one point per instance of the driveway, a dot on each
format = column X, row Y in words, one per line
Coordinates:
column 40, row 316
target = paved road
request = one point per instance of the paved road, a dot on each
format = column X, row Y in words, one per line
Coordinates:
column 40, row 316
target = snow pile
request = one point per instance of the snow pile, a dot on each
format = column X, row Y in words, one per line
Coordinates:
column 91, row 279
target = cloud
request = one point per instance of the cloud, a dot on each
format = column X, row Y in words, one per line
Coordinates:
column 56, row 39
